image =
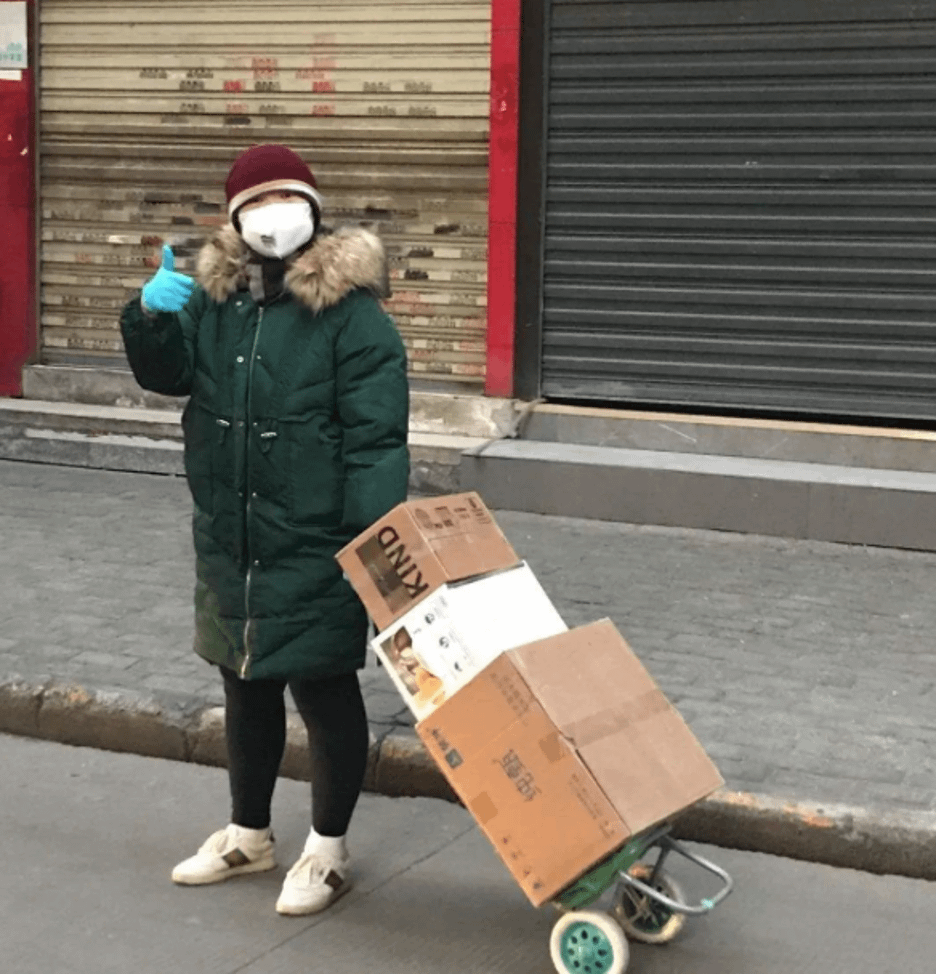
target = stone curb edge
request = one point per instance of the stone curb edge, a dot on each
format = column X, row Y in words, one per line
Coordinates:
column 900, row 844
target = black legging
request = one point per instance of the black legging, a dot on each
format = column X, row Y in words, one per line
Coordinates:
column 255, row 723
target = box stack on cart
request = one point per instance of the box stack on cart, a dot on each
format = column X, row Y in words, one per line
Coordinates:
column 558, row 741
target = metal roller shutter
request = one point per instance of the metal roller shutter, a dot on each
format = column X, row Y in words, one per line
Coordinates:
column 741, row 204
column 144, row 106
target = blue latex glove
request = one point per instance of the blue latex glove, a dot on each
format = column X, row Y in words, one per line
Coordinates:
column 166, row 290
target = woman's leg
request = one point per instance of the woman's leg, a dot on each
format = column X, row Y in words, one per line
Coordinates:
column 255, row 727
column 255, row 724
column 333, row 712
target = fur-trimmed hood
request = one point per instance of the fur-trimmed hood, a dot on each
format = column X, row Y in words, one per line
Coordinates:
column 337, row 263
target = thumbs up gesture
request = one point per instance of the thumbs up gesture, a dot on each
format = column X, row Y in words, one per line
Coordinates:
column 167, row 290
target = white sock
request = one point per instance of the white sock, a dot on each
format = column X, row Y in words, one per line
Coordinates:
column 252, row 836
column 331, row 847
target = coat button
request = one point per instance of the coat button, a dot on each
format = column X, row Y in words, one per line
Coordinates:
column 256, row 563
column 240, row 359
column 240, row 423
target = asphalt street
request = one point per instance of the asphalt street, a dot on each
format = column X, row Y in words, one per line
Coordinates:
column 88, row 837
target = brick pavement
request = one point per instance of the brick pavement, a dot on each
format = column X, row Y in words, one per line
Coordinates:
column 807, row 669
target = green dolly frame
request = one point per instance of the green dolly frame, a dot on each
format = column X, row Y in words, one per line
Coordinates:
column 648, row 906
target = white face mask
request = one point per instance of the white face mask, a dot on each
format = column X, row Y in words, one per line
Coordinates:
column 278, row 229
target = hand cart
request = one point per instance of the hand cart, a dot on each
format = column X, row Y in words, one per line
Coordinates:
column 648, row 906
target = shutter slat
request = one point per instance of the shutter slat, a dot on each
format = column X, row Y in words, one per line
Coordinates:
column 142, row 111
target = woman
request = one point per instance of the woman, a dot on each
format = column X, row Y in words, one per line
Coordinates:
column 295, row 442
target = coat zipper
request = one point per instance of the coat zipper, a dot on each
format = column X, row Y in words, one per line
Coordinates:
column 245, row 665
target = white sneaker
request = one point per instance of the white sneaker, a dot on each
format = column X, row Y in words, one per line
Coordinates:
column 233, row 851
column 313, row 884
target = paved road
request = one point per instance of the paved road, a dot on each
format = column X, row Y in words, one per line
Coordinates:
column 87, row 839
column 808, row 670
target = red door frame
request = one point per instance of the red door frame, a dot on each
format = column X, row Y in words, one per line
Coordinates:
column 502, row 197
column 18, row 331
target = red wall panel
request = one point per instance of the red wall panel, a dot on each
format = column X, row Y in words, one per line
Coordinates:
column 18, row 333
column 502, row 196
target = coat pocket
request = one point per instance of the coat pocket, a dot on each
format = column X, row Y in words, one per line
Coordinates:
column 205, row 436
column 316, row 473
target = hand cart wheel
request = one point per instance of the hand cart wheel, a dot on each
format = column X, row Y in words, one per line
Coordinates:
column 644, row 918
column 588, row 942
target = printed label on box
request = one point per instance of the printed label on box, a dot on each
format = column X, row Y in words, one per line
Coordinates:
column 521, row 776
column 422, row 689
column 392, row 569
column 460, row 519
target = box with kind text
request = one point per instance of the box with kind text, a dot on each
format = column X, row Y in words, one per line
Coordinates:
column 420, row 546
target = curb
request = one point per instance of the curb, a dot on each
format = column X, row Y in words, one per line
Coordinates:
column 836, row 835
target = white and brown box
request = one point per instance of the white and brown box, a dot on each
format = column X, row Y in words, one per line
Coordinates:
column 446, row 639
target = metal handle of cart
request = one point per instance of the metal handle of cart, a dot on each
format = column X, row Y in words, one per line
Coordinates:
column 668, row 845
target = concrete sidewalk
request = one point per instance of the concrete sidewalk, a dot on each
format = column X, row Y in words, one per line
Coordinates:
column 807, row 670
column 88, row 839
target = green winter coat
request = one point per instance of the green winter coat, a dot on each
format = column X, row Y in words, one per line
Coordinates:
column 295, row 442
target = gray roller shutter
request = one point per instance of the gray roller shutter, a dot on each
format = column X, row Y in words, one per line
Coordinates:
column 741, row 205
column 143, row 106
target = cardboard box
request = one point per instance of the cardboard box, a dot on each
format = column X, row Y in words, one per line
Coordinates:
column 420, row 546
column 563, row 750
column 452, row 634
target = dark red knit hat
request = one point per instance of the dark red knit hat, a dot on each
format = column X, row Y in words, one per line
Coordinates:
column 262, row 168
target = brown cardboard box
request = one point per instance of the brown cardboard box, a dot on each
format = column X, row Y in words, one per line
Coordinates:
column 419, row 546
column 563, row 749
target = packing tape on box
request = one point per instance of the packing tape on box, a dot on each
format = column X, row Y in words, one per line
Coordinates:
column 554, row 747
column 483, row 808
column 615, row 719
